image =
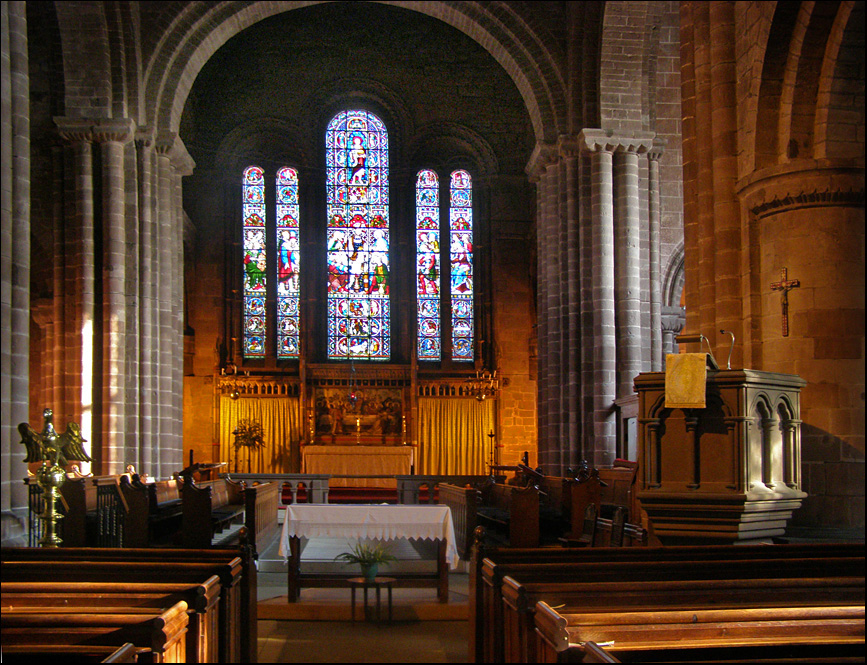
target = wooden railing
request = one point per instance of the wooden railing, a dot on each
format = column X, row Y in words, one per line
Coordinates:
column 315, row 484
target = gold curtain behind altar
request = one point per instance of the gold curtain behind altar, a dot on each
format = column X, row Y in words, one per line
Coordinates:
column 281, row 421
column 453, row 435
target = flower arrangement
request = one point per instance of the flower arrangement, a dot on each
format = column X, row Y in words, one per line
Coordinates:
column 250, row 435
column 368, row 556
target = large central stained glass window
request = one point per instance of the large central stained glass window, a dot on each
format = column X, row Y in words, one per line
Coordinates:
column 357, row 236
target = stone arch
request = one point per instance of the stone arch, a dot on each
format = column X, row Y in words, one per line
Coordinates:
column 432, row 141
column 199, row 29
column 839, row 112
column 370, row 95
column 673, row 278
column 248, row 142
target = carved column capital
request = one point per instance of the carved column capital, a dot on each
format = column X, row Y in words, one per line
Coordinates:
column 168, row 144
column 120, row 130
column 596, row 140
column 544, row 154
column 656, row 149
column 75, row 130
column 568, row 145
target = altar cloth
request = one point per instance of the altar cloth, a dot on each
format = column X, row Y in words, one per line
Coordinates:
column 358, row 461
column 384, row 522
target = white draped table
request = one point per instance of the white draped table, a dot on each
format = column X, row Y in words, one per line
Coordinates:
column 385, row 522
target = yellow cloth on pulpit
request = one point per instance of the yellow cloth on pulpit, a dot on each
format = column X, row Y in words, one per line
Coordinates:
column 453, row 435
column 280, row 418
column 685, row 380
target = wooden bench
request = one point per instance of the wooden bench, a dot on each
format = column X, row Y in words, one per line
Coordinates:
column 213, row 511
column 749, row 634
column 512, row 512
column 464, row 504
column 76, row 653
column 261, row 506
column 491, row 565
column 520, row 599
column 202, row 600
column 236, row 570
column 162, row 630
column 79, row 505
column 152, row 512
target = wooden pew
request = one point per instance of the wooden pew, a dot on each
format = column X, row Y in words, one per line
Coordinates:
column 202, row 601
column 213, row 511
column 162, row 630
column 520, row 599
column 79, row 506
column 261, row 506
column 238, row 609
column 751, row 634
column 485, row 587
column 152, row 512
column 76, row 653
column 464, row 504
column 513, row 511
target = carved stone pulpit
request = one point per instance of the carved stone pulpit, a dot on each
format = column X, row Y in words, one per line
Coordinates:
column 728, row 473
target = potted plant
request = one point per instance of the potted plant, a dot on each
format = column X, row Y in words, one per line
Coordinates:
column 368, row 556
column 249, row 435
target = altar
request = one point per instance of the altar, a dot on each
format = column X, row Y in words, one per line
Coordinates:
column 358, row 460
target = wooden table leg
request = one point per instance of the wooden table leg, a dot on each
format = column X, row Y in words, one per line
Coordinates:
column 293, row 590
column 442, row 572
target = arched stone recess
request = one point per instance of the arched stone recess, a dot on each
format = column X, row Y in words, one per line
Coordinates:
column 709, row 461
column 430, row 142
column 201, row 29
column 775, row 464
column 368, row 94
column 840, row 114
column 264, row 136
column 673, row 313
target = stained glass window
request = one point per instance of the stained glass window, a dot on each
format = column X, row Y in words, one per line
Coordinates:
column 288, row 264
column 427, row 247
column 357, row 236
column 255, row 281
column 461, row 258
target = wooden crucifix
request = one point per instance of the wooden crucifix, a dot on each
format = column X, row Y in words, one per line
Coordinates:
column 785, row 285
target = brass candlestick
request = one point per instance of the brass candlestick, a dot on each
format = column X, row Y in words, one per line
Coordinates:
column 54, row 451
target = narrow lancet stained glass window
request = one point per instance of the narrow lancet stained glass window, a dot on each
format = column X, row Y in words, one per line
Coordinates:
column 427, row 247
column 253, row 210
column 357, row 236
column 288, row 263
column 461, row 258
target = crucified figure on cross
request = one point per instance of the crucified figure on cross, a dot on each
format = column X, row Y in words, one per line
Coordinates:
column 785, row 285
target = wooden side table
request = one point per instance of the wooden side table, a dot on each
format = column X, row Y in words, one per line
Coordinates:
column 377, row 583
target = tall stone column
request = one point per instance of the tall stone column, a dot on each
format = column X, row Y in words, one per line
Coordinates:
column 112, row 135
column 628, row 267
column 165, row 218
column 657, row 357
column 604, row 445
column 572, row 351
column 79, row 314
column 537, row 169
column 172, row 163
column 182, row 165
column 148, row 349
column 15, row 259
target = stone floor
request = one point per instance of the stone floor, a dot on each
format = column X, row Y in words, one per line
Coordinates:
column 318, row 628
